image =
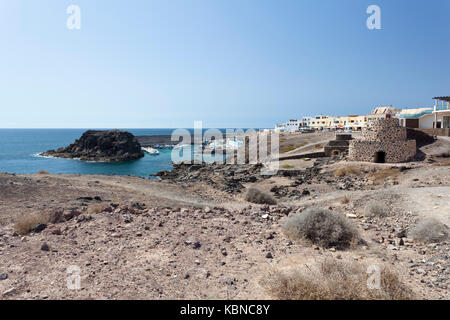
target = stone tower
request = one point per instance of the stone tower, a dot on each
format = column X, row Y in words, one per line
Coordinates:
column 384, row 140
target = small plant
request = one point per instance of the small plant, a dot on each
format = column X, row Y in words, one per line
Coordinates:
column 97, row 208
column 292, row 147
column 376, row 209
column 345, row 200
column 429, row 230
column 42, row 172
column 321, row 227
column 341, row 172
column 442, row 164
column 382, row 174
column 287, row 166
column 26, row 222
column 257, row 196
column 332, row 279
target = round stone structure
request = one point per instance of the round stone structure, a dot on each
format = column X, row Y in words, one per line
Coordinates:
column 383, row 141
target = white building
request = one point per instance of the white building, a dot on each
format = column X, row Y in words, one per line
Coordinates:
column 427, row 118
column 293, row 125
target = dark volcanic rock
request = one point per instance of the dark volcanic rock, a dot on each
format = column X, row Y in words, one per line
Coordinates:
column 227, row 177
column 105, row 146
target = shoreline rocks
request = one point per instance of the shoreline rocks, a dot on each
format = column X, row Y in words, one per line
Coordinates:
column 101, row 146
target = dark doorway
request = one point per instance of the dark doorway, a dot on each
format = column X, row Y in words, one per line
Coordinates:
column 380, row 157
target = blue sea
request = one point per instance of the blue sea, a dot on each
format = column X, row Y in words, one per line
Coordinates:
column 19, row 149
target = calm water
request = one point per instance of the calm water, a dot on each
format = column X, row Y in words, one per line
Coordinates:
column 18, row 149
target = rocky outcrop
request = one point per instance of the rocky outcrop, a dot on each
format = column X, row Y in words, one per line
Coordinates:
column 102, row 146
column 226, row 177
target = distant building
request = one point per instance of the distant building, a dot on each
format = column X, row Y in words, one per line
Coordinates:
column 437, row 117
column 441, row 112
column 319, row 122
column 383, row 112
column 416, row 118
column 292, row 125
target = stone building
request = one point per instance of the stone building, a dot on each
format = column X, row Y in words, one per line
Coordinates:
column 384, row 140
column 338, row 146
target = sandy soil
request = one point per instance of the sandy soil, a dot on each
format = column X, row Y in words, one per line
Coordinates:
column 198, row 242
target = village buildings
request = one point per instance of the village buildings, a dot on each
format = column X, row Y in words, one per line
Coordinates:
column 436, row 117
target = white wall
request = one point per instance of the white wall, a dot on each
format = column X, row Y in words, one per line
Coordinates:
column 426, row 122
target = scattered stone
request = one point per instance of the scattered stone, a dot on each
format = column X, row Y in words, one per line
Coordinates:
column 268, row 235
column 194, row 243
column 45, row 247
column 70, row 214
column 9, row 292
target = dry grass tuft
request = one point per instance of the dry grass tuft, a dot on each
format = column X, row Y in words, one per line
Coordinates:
column 318, row 146
column 25, row 223
column 382, row 174
column 257, row 196
column 321, row 227
column 42, row 172
column 345, row 200
column 292, row 147
column 346, row 171
column 97, row 208
column 332, row 279
column 287, row 166
column 442, row 164
column 429, row 230
column 376, row 209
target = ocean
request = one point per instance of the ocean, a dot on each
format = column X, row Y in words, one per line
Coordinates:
column 19, row 149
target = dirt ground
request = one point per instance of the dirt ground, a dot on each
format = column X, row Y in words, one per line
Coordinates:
column 198, row 242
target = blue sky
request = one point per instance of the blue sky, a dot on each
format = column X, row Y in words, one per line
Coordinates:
column 229, row 63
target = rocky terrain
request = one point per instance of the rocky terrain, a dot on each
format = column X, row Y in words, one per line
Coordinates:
column 194, row 236
column 102, row 146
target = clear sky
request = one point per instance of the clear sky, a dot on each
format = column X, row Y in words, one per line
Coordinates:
column 229, row 63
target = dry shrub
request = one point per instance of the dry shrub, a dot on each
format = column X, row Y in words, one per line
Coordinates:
column 442, row 164
column 382, row 174
column 332, row 279
column 26, row 222
column 257, row 196
column 321, row 227
column 429, row 230
column 345, row 200
column 346, row 171
column 292, row 147
column 376, row 209
column 42, row 172
column 97, row 208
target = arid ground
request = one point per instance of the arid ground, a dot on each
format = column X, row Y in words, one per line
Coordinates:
column 135, row 238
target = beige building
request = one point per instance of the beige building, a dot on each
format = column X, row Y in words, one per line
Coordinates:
column 319, row 122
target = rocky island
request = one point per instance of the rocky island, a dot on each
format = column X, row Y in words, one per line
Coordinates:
column 102, row 146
